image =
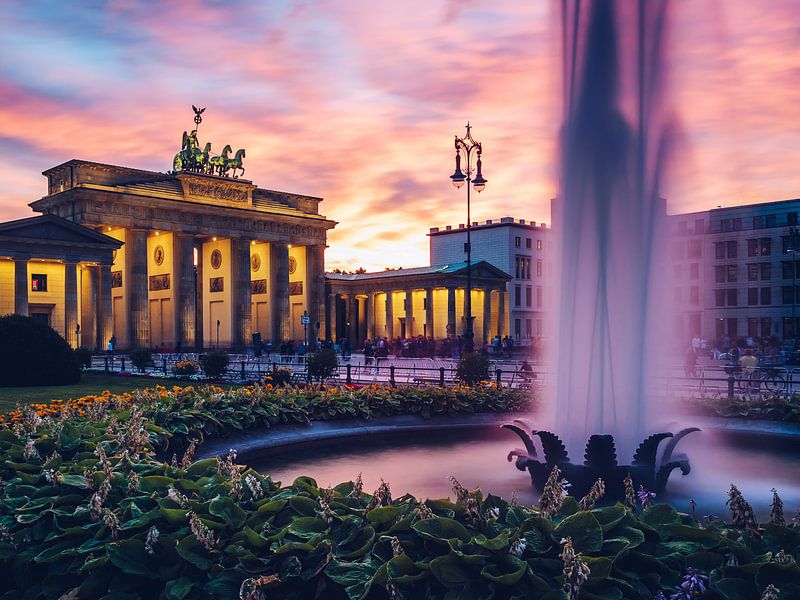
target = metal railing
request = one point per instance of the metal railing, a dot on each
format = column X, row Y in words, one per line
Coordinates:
column 390, row 370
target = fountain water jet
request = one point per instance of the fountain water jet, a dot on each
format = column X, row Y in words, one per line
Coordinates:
column 610, row 237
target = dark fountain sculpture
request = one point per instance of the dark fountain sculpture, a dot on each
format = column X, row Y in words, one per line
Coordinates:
column 648, row 469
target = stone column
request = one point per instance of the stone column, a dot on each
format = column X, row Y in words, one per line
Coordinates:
column 70, row 302
column 104, row 310
column 369, row 312
column 487, row 315
column 410, row 313
column 330, row 316
column 279, row 284
column 352, row 318
column 184, row 291
column 315, row 280
column 199, row 304
column 429, row 311
column 21, row 286
column 136, row 288
column 241, row 293
column 451, row 312
column 501, row 313
column 389, row 316
column 88, row 318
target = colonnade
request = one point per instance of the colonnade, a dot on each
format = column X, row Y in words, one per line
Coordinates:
column 433, row 312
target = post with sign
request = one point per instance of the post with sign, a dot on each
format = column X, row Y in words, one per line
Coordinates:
column 305, row 319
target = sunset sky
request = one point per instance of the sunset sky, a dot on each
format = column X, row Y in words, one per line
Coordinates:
column 357, row 101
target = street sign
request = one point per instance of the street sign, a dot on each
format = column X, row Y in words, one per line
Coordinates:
column 305, row 319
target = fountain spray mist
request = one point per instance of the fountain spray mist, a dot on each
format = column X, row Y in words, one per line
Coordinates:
column 612, row 321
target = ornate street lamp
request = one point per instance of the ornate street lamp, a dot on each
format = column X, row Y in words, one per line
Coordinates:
column 467, row 146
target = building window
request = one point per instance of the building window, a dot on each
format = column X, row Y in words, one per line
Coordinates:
column 529, row 328
column 694, row 249
column 527, row 242
column 516, row 267
column 752, row 327
column 752, row 272
column 719, row 297
column 694, row 271
column 791, row 218
column 517, row 295
column 731, row 273
column 38, row 283
column 726, row 225
column 766, row 327
column 719, row 274
column 719, row 250
column 517, row 328
column 786, row 244
column 732, row 251
column 733, row 299
column 699, row 226
column 538, row 268
column 786, row 270
column 758, row 222
column 752, row 296
column 766, row 246
column 517, row 242
column 528, row 296
column 752, row 247
column 772, row 220
column 766, row 296
column 694, row 295
column 786, row 294
column 766, row 271
column 527, row 268
column 682, row 227
column 539, row 297
column 538, row 244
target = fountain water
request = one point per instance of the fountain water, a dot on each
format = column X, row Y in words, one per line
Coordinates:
column 609, row 220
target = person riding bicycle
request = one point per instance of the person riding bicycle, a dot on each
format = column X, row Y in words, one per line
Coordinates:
column 748, row 362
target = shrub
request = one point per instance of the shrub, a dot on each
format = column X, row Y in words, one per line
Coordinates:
column 279, row 377
column 32, row 353
column 322, row 364
column 473, row 368
column 84, row 356
column 142, row 358
column 215, row 363
column 185, row 367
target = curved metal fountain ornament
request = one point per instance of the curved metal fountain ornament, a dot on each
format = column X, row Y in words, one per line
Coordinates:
column 649, row 468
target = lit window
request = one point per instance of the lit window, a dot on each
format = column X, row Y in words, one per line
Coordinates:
column 38, row 283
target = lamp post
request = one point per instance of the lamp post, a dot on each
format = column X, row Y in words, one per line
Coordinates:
column 467, row 146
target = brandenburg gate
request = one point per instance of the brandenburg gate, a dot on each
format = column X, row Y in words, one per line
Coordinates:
column 208, row 257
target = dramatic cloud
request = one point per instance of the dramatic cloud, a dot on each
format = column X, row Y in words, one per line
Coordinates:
column 357, row 101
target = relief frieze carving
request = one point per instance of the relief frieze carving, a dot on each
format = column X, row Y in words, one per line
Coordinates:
column 219, row 191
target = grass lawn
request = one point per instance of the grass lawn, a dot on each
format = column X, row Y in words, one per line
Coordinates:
column 91, row 383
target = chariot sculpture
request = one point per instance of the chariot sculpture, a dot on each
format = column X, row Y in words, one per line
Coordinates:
column 192, row 158
column 649, row 468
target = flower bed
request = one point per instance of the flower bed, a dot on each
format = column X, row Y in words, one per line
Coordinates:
column 773, row 407
column 86, row 511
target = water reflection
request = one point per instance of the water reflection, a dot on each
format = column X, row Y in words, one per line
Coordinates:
column 421, row 465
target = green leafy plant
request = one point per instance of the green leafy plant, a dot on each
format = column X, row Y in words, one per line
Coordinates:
column 473, row 368
column 215, row 363
column 32, row 353
column 322, row 364
column 142, row 358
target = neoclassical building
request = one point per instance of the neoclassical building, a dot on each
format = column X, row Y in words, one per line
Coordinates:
column 426, row 301
column 182, row 260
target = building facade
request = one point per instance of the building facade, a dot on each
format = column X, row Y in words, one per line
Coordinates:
column 50, row 269
column 735, row 271
column 197, row 260
column 422, row 301
column 515, row 246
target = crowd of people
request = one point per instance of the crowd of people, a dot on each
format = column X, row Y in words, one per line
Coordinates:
column 410, row 347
